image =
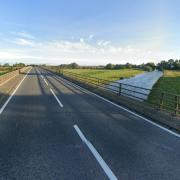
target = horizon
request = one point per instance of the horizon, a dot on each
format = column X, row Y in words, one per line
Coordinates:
column 89, row 33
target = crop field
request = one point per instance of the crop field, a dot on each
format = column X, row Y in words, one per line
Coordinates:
column 111, row 75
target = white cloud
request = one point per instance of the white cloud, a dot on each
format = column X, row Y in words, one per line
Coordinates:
column 81, row 51
column 103, row 43
column 23, row 34
column 82, row 40
column 91, row 36
column 66, row 46
column 23, row 42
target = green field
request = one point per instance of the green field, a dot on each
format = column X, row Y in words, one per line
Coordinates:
column 111, row 75
column 169, row 83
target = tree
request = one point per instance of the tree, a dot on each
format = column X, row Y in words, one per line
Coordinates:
column 109, row 66
column 19, row 65
column 128, row 65
column 74, row 65
column 148, row 68
column 152, row 65
column 71, row 65
column 171, row 64
column 117, row 66
column 162, row 65
column 177, row 64
column 6, row 65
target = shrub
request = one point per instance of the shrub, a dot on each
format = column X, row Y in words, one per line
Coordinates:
column 148, row 68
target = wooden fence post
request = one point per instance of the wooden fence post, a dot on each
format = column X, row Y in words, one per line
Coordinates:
column 161, row 101
column 59, row 71
column 98, row 83
column 120, row 87
column 176, row 105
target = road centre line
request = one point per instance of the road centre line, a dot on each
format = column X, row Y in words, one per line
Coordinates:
column 40, row 73
column 46, row 82
column 10, row 97
column 43, row 78
column 121, row 107
column 59, row 102
column 95, row 153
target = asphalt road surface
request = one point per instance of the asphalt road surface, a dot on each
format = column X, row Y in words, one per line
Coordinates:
column 51, row 129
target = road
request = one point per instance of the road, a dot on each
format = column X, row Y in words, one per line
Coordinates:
column 51, row 129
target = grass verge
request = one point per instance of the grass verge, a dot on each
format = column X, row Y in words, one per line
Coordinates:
column 170, row 84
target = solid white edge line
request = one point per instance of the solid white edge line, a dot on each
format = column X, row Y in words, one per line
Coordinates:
column 95, row 153
column 10, row 97
column 125, row 109
column 141, row 117
column 61, row 105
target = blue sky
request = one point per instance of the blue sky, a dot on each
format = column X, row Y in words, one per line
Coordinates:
column 89, row 32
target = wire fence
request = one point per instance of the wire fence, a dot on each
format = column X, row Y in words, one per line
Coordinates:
column 156, row 97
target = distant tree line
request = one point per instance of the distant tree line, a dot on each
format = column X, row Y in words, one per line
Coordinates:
column 12, row 67
column 76, row 66
column 171, row 64
column 150, row 66
column 147, row 67
column 70, row 66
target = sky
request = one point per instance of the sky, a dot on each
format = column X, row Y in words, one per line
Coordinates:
column 89, row 32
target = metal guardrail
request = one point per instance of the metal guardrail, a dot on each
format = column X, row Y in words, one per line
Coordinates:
column 161, row 100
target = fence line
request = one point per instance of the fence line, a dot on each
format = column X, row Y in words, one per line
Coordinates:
column 157, row 98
